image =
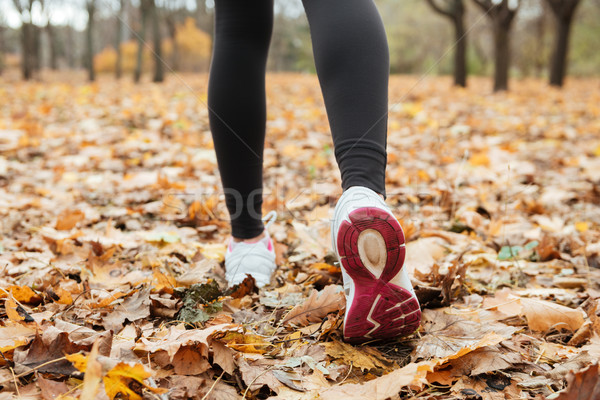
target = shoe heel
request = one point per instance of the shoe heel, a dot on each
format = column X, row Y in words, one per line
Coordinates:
column 372, row 252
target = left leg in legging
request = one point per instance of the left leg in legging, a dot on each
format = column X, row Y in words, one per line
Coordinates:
column 237, row 105
column 352, row 60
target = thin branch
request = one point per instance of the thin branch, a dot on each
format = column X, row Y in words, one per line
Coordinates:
column 439, row 9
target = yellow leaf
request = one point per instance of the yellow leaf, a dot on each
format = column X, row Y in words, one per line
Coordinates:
column 11, row 311
column 214, row 251
column 582, row 226
column 163, row 283
column 78, row 360
column 64, row 297
column 118, row 381
column 124, row 380
column 480, row 159
column 245, row 343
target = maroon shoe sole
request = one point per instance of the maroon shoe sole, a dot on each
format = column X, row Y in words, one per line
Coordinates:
column 371, row 250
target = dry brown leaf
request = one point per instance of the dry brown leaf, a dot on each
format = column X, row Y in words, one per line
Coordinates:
column 50, row 389
column 484, row 360
column 68, row 219
column 582, row 385
column 382, row 388
column 188, row 361
column 223, row 356
column 316, row 307
column 134, row 308
column 498, row 387
column 543, row 315
column 363, row 358
column 450, row 336
column 257, row 374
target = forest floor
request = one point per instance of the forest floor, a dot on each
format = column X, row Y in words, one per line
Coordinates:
column 113, row 230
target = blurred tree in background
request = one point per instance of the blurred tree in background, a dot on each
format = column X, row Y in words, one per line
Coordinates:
column 420, row 37
column 455, row 11
column 121, row 17
column 89, row 58
column 563, row 10
column 501, row 14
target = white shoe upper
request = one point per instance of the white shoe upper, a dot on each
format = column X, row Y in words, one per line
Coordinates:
column 256, row 259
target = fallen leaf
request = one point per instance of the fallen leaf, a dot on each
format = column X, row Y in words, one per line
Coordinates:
column 188, row 361
column 364, row 358
column 134, row 308
column 582, row 385
column 450, row 336
column 382, row 388
column 92, row 376
column 128, row 380
column 316, row 307
column 50, row 389
column 543, row 315
column 68, row 219
column 256, row 375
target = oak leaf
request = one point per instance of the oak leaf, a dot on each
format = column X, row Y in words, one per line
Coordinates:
column 316, row 307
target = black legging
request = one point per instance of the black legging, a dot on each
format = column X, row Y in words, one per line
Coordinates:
column 352, row 60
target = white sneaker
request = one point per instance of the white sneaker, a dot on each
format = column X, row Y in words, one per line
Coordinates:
column 256, row 259
column 369, row 242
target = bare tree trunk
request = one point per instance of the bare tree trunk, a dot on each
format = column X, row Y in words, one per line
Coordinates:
column 27, row 50
column 91, row 8
column 540, row 29
column 172, row 28
column 460, row 53
column 141, row 39
column 563, row 10
column 70, row 48
column 37, row 48
column 120, row 27
column 53, row 46
column 1, row 49
column 455, row 11
column 501, row 57
column 159, row 71
column 501, row 14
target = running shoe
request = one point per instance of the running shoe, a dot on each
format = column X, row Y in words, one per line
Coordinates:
column 256, row 259
column 369, row 242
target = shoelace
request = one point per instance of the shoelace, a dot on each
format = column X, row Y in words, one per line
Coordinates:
column 270, row 218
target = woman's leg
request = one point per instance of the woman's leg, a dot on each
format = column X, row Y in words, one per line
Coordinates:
column 352, row 60
column 237, row 106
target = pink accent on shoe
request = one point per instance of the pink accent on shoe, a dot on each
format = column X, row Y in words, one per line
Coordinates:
column 270, row 246
column 379, row 309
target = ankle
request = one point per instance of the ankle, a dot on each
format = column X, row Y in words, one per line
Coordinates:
column 250, row 240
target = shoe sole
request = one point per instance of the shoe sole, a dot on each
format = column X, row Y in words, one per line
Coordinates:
column 371, row 250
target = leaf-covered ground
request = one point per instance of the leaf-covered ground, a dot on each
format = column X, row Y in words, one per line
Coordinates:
column 112, row 238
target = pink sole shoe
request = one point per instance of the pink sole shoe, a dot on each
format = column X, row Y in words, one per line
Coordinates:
column 371, row 250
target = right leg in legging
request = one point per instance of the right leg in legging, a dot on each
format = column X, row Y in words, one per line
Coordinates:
column 352, row 60
column 237, row 106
